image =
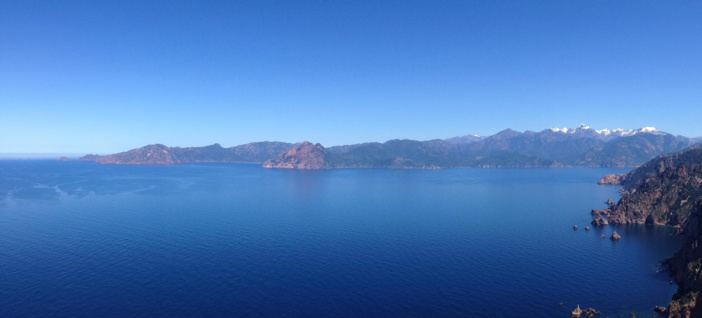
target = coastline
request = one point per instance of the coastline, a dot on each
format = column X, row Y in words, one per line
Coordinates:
column 666, row 191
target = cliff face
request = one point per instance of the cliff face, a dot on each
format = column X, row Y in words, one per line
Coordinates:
column 303, row 156
column 686, row 269
column 663, row 191
column 668, row 191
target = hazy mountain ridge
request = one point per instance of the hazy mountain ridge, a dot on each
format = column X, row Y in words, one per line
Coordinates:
column 158, row 154
column 582, row 146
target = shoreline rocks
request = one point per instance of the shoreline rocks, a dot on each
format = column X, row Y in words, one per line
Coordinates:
column 660, row 310
column 612, row 179
column 599, row 221
column 589, row 312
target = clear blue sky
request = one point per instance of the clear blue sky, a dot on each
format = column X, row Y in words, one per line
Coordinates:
column 108, row 76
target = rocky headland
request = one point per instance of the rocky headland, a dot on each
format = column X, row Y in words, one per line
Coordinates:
column 667, row 191
column 612, row 179
column 303, row 156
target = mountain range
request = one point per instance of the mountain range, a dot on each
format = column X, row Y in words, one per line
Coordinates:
column 555, row 147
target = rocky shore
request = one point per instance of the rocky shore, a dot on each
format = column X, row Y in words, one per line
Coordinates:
column 666, row 191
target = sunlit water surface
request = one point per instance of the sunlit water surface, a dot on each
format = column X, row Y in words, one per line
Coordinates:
column 86, row 240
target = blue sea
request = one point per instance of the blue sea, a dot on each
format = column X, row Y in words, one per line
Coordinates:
column 78, row 239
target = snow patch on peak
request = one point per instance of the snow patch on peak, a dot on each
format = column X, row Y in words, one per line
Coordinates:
column 619, row 132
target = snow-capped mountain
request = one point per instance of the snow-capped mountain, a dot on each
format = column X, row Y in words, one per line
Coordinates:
column 607, row 134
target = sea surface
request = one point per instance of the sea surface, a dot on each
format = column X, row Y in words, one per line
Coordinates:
column 85, row 240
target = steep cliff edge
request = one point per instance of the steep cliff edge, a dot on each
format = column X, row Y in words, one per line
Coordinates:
column 668, row 191
column 686, row 268
column 663, row 191
column 303, row 156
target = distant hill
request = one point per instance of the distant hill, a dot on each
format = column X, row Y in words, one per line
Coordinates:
column 158, row 154
column 555, row 147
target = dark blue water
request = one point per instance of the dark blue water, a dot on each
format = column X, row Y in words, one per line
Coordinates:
column 81, row 239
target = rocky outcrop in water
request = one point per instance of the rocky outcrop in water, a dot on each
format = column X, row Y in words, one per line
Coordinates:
column 589, row 312
column 660, row 310
column 612, row 179
column 615, row 236
column 599, row 221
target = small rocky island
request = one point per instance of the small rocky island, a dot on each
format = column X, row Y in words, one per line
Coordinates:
column 64, row 159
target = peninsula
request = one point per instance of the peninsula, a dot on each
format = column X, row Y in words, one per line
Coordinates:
column 667, row 191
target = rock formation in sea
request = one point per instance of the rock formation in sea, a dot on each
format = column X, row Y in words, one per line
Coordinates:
column 615, row 236
column 589, row 312
column 599, row 221
column 612, row 179
column 661, row 310
column 64, row 159
column 668, row 191
column 303, row 156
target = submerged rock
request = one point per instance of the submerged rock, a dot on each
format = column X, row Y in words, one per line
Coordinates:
column 615, row 236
